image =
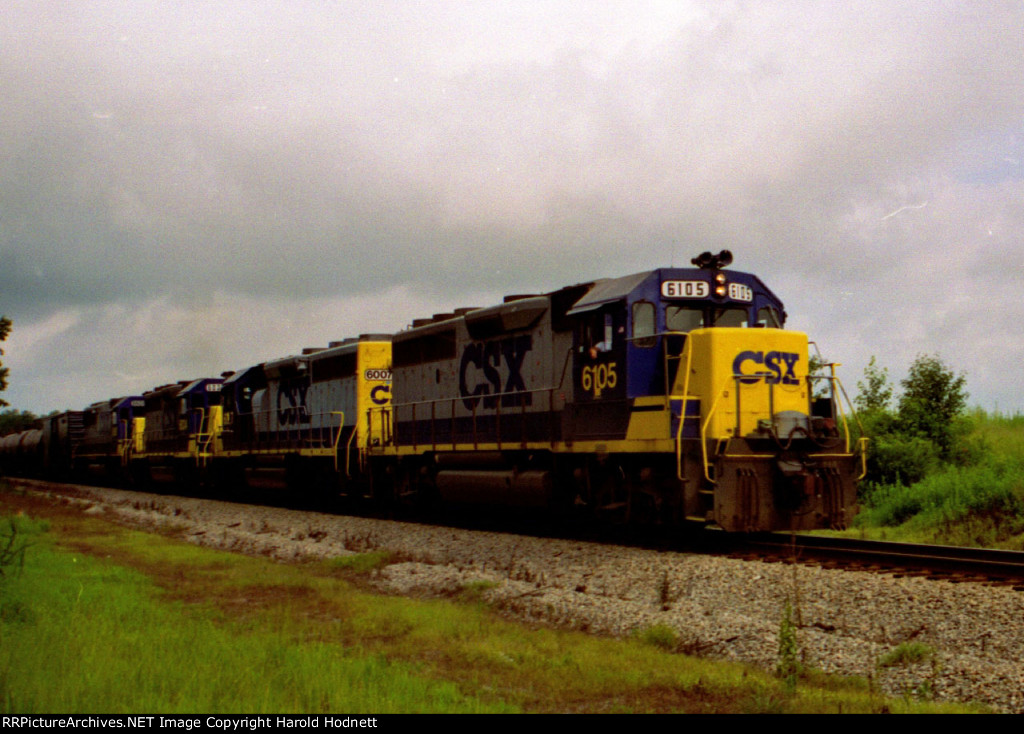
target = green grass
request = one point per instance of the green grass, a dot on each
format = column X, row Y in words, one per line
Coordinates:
column 979, row 504
column 362, row 562
column 84, row 636
column 104, row 619
column 658, row 635
column 1004, row 434
column 907, row 653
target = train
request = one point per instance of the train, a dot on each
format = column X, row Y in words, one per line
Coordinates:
column 672, row 396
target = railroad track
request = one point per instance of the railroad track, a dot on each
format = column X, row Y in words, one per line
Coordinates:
column 949, row 563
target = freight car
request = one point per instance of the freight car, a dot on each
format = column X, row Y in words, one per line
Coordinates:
column 669, row 396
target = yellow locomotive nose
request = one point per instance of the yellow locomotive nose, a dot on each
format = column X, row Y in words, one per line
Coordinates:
column 763, row 459
column 744, row 376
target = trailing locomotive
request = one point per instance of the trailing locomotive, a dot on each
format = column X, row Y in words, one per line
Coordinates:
column 667, row 396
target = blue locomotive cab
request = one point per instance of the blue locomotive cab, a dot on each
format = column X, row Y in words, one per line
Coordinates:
column 629, row 334
column 181, row 422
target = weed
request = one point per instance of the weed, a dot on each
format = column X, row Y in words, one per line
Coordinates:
column 665, row 592
column 906, row 653
column 658, row 635
column 361, row 542
column 763, row 700
column 473, row 591
column 788, row 668
column 362, row 562
column 510, row 566
column 15, row 539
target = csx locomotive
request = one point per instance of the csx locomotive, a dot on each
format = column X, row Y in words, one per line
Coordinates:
column 668, row 396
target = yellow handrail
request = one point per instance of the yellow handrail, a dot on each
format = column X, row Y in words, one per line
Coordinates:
column 337, row 438
column 682, row 410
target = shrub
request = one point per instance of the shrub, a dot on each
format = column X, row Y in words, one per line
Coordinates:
column 895, row 458
column 992, row 492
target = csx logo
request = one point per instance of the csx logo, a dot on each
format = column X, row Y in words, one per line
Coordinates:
column 381, row 394
column 778, row 367
column 480, row 372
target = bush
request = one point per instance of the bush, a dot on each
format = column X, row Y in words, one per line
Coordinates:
column 992, row 494
column 928, row 430
column 898, row 459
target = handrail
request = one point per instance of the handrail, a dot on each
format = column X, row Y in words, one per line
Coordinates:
column 862, row 441
column 124, row 445
column 316, row 430
column 703, row 434
column 198, row 435
column 685, row 398
column 337, row 440
column 435, row 416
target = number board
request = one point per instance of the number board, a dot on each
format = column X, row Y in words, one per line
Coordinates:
column 685, row 289
column 740, row 292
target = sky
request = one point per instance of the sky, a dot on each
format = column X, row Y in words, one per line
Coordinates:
column 188, row 188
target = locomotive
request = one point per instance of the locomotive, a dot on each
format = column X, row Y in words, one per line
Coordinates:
column 671, row 396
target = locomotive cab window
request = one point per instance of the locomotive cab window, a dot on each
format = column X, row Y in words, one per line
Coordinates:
column 769, row 317
column 598, row 334
column 644, row 326
column 680, row 318
column 735, row 317
column 686, row 319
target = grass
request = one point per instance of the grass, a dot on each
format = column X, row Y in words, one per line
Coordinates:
column 907, row 653
column 658, row 635
column 105, row 619
column 980, row 504
column 362, row 562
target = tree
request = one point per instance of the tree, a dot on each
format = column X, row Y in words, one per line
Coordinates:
column 928, row 427
column 14, row 421
column 933, row 403
column 5, row 329
column 874, row 405
column 875, row 393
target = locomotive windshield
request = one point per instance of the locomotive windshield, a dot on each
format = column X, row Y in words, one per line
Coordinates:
column 688, row 318
column 769, row 317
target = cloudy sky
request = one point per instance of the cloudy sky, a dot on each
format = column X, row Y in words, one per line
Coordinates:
column 192, row 187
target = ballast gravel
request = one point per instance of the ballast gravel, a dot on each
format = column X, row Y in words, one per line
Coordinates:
column 723, row 608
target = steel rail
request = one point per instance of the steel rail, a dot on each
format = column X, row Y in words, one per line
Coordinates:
column 977, row 563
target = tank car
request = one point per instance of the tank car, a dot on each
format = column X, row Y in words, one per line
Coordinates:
column 20, row 453
column 666, row 396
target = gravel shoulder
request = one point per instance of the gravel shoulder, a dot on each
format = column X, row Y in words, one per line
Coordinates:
column 721, row 608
